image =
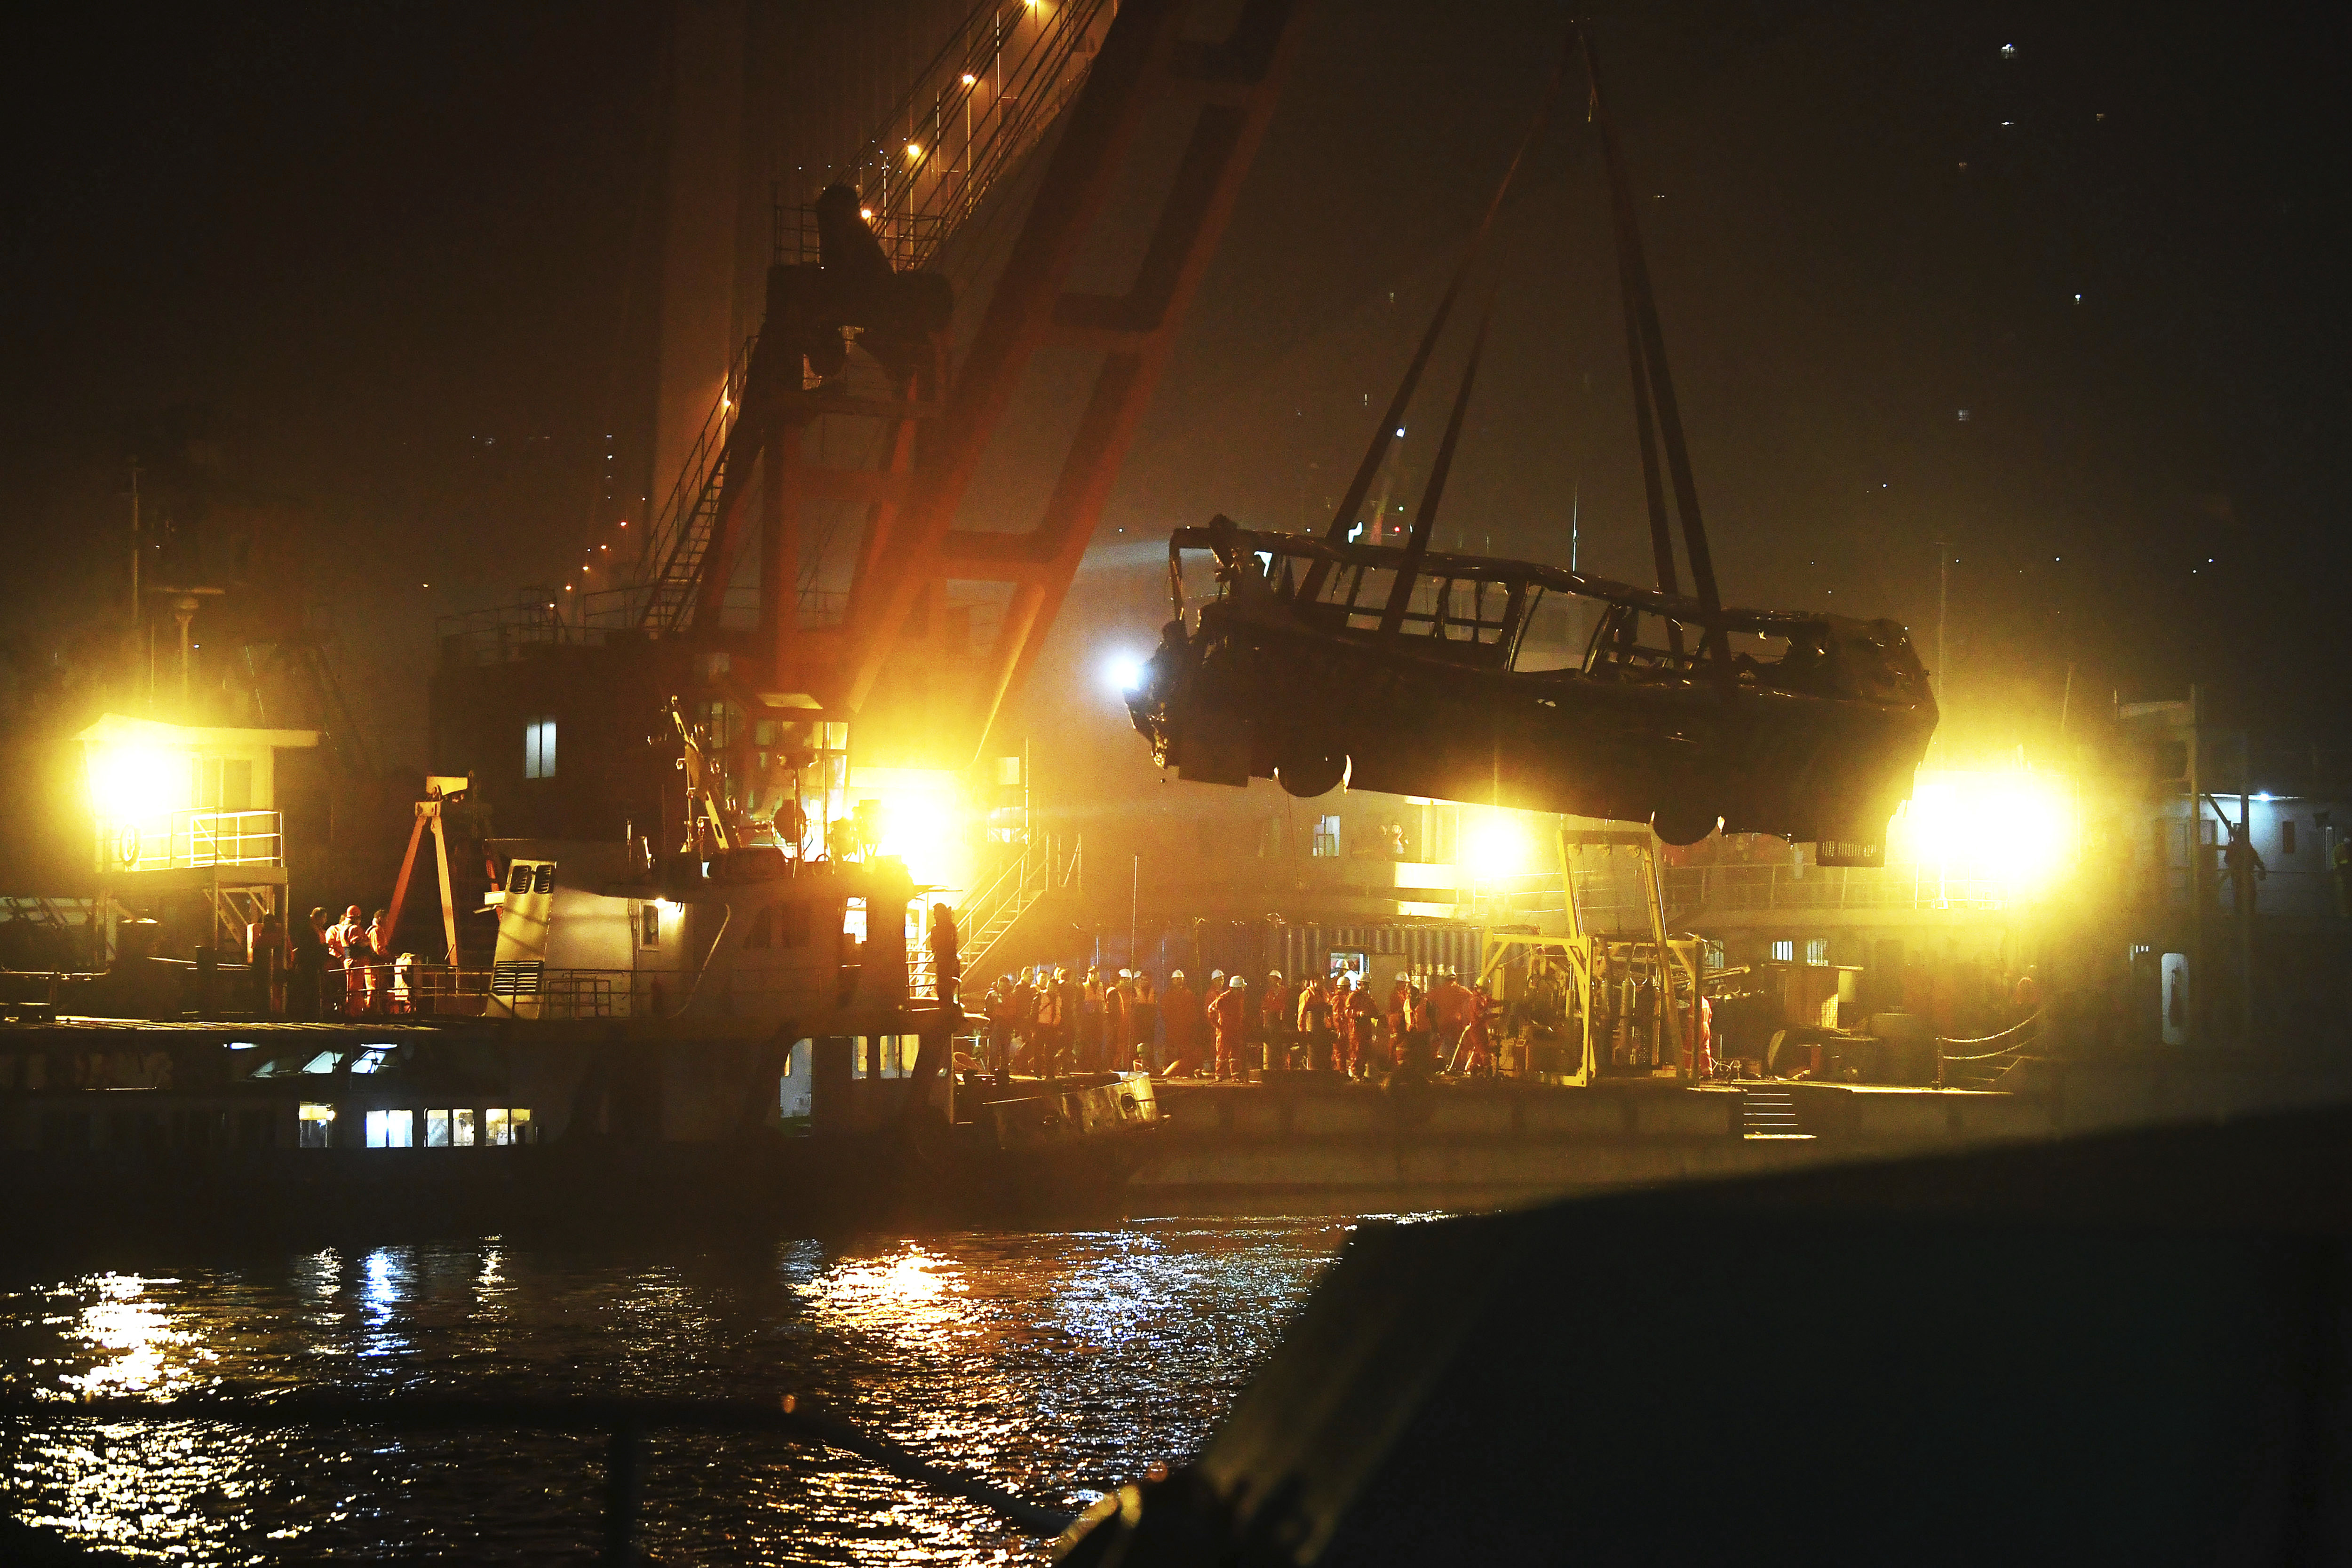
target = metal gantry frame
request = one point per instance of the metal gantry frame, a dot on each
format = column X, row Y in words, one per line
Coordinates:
column 1580, row 952
column 931, row 440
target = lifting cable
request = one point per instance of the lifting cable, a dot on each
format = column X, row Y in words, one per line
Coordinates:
column 1654, row 385
column 1344, row 518
column 1416, row 545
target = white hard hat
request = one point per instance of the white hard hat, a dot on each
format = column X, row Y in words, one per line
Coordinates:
column 1175, row 974
column 1237, row 982
column 1274, row 974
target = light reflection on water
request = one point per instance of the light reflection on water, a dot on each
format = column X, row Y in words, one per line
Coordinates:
column 1054, row 1365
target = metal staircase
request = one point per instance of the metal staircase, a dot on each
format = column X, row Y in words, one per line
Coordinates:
column 1770, row 1113
column 669, row 568
column 992, row 911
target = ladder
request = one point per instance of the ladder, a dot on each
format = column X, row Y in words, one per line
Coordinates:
column 669, row 565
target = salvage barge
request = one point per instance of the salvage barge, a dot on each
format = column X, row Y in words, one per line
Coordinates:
column 729, row 1043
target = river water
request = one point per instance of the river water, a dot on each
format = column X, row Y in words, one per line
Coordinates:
column 1055, row 1365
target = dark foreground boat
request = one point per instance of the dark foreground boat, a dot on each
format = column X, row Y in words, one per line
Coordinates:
column 2131, row 1347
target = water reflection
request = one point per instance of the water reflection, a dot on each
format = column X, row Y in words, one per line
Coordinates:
column 1057, row 1366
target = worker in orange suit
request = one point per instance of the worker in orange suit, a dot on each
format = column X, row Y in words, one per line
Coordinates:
column 1229, row 1021
column 1405, row 1020
column 1478, row 1045
column 1364, row 1030
column 1179, row 1015
column 1450, row 1007
column 1273, row 1012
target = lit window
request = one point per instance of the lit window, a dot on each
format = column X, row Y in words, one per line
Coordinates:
column 315, row 1126
column 539, row 746
column 391, row 1128
column 496, row 1127
column 462, row 1127
column 1784, row 952
column 372, row 1060
column 853, row 919
column 520, row 1127
column 1817, row 950
column 649, row 925
column 437, row 1129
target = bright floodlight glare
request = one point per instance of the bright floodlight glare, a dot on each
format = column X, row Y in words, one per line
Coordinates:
column 1124, row 671
column 129, row 783
column 2012, row 829
column 1496, row 844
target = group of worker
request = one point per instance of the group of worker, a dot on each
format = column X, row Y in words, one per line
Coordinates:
column 1045, row 1022
column 349, row 965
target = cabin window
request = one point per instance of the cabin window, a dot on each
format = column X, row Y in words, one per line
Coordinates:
column 853, row 919
column 1817, row 950
column 1784, row 952
column 314, row 1126
column 464, row 1123
column 391, row 1128
column 437, row 1129
column 1326, row 835
column 649, row 925
column 2287, row 835
column 779, row 925
column 796, row 1087
column 539, row 746
column 504, row 1127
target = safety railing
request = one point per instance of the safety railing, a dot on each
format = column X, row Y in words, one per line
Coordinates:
column 190, row 841
column 966, row 121
column 410, row 987
column 669, row 535
column 622, row 1423
column 1719, row 889
column 503, row 633
column 1981, row 1063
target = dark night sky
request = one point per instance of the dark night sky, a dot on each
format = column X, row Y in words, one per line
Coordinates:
column 370, row 239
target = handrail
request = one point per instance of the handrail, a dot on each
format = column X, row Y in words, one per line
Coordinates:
column 666, row 532
column 625, row 1422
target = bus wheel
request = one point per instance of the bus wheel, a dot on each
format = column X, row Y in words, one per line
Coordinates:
column 1310, row 769
column 1680, row 823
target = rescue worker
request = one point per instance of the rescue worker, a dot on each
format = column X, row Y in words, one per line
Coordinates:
column 1448, row 1016
column 1180, row 1011
column 1118, row 999
column 1478, row 1050
column 377, row 972
column 1344, row 1026
column 1229, row 1020
column 1046, row 1027
column 1273, row 1020
column 1000, row 1024
column 1364, row 1025
column 1145, row 1023
column 947, row 963
column 1314, row 1016
column 1404, row 1004
column 1089, row 1021
column 1023, row 1021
